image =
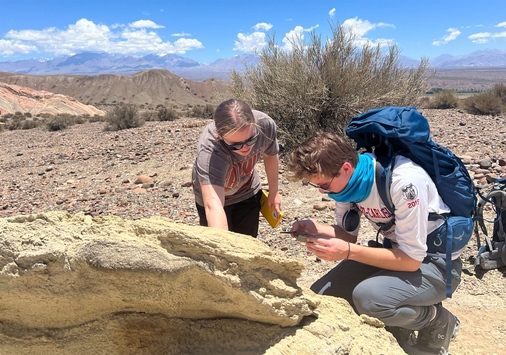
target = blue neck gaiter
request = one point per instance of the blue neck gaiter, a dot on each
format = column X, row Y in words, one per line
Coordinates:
column 360, row 184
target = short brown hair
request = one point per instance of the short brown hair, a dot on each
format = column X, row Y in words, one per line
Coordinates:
column 321, row 155
column 232, row 115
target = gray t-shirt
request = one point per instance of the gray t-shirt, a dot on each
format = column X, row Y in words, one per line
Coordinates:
column 216, row 164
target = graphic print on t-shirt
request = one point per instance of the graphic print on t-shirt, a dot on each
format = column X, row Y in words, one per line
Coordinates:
column 409, row 192
column 239, row 174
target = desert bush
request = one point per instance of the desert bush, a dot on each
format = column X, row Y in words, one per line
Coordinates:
column 29, row 124
column 59, row 122
column 423, row 102
column 499, row 90
column 320, row 85
column 482, row 104
column 149, row 116
column 166, row 114
column 81, row 119
column 14, row 123
column 123, row 116
column 96, row 118
column 208, row 111
column 200, row 111
column 444, row 99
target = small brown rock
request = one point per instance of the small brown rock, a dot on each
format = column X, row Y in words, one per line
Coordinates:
column 139, row 190
column 320, row 206
column 143, row 179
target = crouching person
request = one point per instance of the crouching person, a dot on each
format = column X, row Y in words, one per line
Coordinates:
column 401, row 285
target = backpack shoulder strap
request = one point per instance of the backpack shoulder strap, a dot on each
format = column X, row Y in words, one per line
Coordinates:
column 383, row 183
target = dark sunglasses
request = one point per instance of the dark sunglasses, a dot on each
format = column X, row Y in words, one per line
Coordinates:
column 238, row 146
column 325, row 187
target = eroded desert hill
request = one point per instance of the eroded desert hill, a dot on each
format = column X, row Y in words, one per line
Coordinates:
column 151, row 87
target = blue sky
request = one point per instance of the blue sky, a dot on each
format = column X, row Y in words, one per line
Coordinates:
column 206, row 30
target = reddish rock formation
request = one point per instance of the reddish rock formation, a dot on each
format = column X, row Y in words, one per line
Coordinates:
column 14, row 98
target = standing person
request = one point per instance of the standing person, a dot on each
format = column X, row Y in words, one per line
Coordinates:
column 402, row 285
column 225, row 182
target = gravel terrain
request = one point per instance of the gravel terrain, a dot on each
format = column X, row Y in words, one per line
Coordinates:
column 146, row 171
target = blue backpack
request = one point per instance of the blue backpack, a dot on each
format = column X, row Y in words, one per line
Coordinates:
column 391, row 131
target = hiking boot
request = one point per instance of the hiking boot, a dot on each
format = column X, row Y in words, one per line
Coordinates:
column 436, row 337
column 405, row 337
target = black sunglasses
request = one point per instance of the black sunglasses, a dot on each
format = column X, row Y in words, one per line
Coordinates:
column 238, row 146
column 325, row 187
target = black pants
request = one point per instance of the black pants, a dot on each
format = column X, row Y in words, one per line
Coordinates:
column 242, row 217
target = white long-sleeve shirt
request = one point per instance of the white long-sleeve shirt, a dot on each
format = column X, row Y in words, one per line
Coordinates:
column 414, row 196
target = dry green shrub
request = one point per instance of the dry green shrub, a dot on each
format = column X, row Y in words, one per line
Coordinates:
column 123, row 116
column 166, row 114
column 59, row 122
column 423, row 102
column 499, row 90
column 320, row 85
column 445, row 99
column 149, row 116
column 19, row 120
column 96, row 118
column 14, row 123
column 482, row 104
column 199, row 111
column 30, row 124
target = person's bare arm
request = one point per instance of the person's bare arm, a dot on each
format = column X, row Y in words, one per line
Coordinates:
column 271, row 163
column 384, row 258
column 214, row 200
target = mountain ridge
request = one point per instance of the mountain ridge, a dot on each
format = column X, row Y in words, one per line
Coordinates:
column 93, row 63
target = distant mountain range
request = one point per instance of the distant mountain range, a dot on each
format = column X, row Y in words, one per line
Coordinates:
column 89, row 63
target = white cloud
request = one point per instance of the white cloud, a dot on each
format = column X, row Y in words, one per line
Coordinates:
column 145, row 24
column 360, row 28
column 85, row 35
column 485, row 37
column 332, row 12
column 183, row 45
column 12, row 47
column 252, row 42
column 502, row 24
column 182, row 34
column 295, row 36
column 262, row 26
column 479, row 38
column 454, row 33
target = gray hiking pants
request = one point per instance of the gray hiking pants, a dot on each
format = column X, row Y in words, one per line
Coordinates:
column 398, row 298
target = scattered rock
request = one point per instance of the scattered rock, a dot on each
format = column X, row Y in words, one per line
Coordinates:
column 320, row 206
column 143, row 179
column 139, row 190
